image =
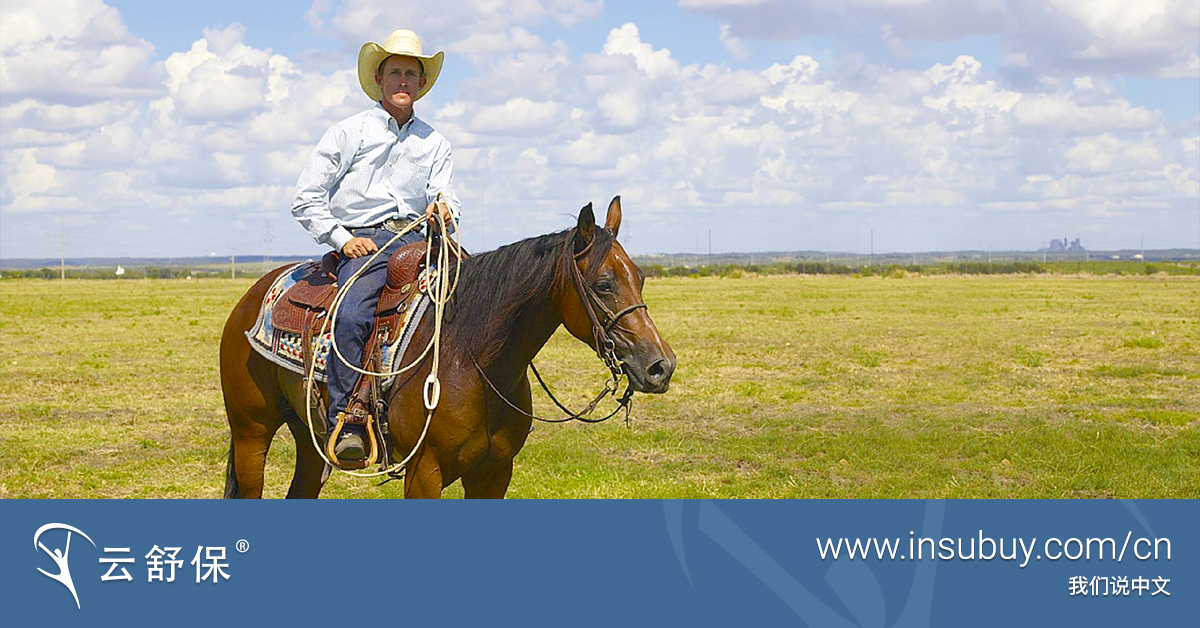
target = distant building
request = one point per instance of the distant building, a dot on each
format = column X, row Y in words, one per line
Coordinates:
column 1064, row 246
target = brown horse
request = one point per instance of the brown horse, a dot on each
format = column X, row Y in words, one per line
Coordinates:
column 507, row 305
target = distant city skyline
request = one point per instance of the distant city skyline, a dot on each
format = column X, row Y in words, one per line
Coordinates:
column 136, row 128
column 1065, row 246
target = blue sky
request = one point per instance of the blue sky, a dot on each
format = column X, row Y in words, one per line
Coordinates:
column 166, row 129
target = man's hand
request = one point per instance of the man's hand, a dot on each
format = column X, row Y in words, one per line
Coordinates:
column 432, row 208
column 358, row 247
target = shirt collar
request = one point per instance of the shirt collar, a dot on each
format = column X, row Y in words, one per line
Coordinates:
column 387, row 120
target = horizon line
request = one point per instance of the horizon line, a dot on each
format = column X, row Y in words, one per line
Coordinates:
column 265, row 257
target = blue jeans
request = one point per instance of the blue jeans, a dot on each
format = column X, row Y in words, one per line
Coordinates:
column 356, row 314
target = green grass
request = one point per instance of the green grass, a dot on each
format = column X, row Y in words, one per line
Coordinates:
column 1143, row 343
column 787, row 386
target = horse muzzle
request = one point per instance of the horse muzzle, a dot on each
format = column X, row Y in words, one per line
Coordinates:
column 649, row 368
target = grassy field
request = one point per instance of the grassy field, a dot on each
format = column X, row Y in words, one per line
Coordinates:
column 787, row 386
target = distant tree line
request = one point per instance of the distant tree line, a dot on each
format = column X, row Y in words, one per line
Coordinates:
column 1000, row 267
column 937, row 268
column 146, row 272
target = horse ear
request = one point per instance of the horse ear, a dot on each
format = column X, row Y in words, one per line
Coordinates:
column 586, row 228
column 613, row 222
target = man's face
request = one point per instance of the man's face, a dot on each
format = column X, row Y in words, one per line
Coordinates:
column 400, row 80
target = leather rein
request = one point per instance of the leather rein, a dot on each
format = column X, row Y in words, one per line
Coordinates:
column 603, row 323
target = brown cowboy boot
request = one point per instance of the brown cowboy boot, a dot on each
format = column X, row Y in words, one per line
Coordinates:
column 351, row 443
column 350, row 447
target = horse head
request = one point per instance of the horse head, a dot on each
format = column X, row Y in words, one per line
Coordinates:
column 603, row 306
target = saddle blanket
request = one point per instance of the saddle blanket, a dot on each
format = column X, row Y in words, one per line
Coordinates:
column 285, row 348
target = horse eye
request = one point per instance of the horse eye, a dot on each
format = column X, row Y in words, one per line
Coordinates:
column 603, row 286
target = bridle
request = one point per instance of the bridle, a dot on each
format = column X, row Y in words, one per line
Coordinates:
column 603, row 322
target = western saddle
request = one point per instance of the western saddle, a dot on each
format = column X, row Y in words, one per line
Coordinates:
column 304, row 308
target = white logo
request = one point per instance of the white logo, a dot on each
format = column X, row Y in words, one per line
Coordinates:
column 60, row 556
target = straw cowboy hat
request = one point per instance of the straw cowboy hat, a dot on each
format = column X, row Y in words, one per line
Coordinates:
column 400, row 42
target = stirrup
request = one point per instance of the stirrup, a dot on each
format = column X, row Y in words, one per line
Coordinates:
column 372, row 444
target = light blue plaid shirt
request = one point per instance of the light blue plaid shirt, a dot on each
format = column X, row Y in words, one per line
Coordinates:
column 367, row 169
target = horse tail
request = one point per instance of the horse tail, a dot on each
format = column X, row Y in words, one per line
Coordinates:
column 231, row 483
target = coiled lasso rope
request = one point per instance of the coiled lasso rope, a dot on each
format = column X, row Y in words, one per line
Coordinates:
column 431, row 392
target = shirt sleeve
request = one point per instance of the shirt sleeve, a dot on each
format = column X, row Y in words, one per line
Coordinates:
column 329, row 162
column 441, row 179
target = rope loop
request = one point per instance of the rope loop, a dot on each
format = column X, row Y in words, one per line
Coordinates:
column 432, row 392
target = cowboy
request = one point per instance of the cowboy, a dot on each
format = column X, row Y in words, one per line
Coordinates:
column 368, row 178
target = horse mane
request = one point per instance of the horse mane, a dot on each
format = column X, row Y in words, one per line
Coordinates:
column 499, row 287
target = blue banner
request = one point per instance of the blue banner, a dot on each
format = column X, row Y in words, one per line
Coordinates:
column 822, row 564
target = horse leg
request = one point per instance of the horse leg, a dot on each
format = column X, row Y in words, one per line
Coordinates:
column 311, row 471
column 254, row 411
column 423, row 479
column 491, row 485
column 251, row 441
column 255, row 408
column 253, row 404
column 491, row 479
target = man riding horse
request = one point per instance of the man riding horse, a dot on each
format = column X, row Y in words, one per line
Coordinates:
column 369, row 176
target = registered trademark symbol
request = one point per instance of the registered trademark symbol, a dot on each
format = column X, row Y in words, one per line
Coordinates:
column 242, row 546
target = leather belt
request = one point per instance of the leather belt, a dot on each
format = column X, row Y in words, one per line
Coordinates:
column 395, row 225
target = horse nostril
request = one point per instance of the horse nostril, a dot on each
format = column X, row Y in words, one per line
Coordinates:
column 658, row 371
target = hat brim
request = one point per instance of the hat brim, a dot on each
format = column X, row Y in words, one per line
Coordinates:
column 372, row 54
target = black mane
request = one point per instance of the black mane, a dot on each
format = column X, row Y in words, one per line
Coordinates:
column 498, row 287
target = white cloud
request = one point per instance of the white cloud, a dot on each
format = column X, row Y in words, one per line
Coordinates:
column 734, row 45
column 963, row 97
column 71, row 51
column 219, row 77
column 621, row 108
column 1107, row 154
column 721, row 4
column 34, row 114
column 802, row 69
column 1120, row 28
column 591, row 150
column 28, row 181
column 1056, row 37
column 717, row 85
column 780, row 154
column 627, row 41
column 439, row 22
column 792, row 142
column 499, row 77
column 796, row 87
column 1060, row 114
column 516, row 39
column 221, row 126
column 516, row 116
column 316, row 12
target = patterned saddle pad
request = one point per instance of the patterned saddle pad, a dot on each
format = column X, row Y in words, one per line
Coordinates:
column 285, row 348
